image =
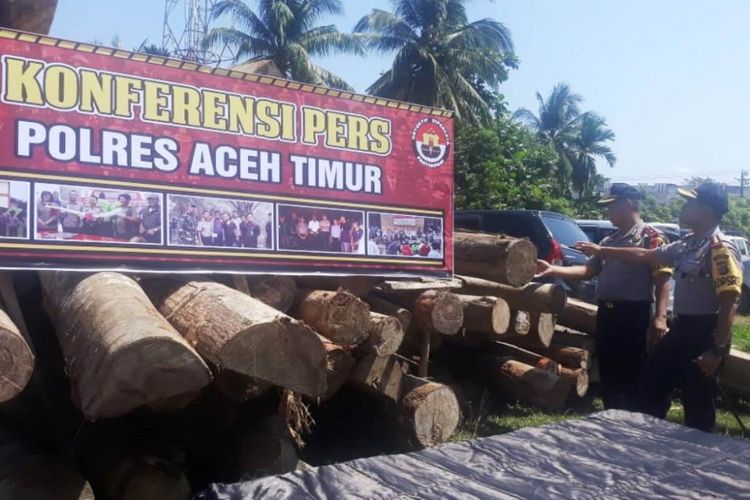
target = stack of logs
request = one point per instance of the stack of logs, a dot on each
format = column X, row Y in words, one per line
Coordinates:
column 134, row 344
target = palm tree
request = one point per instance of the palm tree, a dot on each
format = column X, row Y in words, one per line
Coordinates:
column 441, row 59
column 578, row 138
column 284, row 34
column 589, row 145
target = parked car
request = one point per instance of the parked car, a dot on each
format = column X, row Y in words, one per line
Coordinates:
column 743, row 246
column 553, row 234
column 596, row 230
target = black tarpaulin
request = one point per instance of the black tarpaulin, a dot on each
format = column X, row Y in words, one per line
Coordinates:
column 612, row 455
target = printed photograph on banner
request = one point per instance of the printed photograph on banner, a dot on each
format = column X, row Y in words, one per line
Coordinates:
column 198, row 221
column 401, row 235
column 321, row 229
column 14, row 209
column 97, row 214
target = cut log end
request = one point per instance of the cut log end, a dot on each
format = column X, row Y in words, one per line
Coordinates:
column 385, row 336
column 339, row 316
column 520, row 265
column 278, row 292
column 520, row 323
column 432, row 412
column 16, row 363
column 439, row 312
column 578, row 380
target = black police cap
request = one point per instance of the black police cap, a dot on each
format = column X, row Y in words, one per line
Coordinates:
column 711, row 194
column 620, row 191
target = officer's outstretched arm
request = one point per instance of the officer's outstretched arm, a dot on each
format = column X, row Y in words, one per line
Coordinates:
column 635, row 255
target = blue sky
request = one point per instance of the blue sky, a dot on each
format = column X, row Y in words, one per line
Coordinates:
column 670, row 76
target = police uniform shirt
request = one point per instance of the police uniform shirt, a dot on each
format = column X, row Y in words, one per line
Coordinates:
column 623, row 281
column 704, row 267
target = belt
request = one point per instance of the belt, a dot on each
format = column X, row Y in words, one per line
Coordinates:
column 611, row 304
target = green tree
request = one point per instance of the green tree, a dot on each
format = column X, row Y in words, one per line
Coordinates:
column 285, row 32
column 504, row 166
column 579, row 139
column 589, row 144
column 441, row 59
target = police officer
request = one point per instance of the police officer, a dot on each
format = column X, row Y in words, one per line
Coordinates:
column 708, row 280
column 625, row 292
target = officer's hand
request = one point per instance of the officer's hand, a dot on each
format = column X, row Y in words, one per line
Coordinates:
column 588, row 248
column 543, row 269
column 707, row 363
column 657, row 330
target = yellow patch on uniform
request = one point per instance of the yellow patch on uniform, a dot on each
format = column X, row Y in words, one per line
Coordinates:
column 724, row 270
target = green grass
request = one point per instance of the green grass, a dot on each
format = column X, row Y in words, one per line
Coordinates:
column 490, row 419
column 741, row 333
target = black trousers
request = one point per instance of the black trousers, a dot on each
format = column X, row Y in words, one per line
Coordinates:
column 671, row 366
column 621, row 329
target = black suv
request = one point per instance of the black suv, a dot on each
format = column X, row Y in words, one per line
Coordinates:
column 553, row 234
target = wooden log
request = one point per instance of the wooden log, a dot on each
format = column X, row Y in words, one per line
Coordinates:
column 236, row 332
column 578, row 379
column 735, row 375
column 29, row 472
column 540, row 333
column 28, row 15
column 484, row 314
column 139, row 475
column 261, row 454
column 397, row 287
column 579, row 315
column 379, row 375
column 383, row 306
column 538, row 297
column 120, row 353
column 495, row 257
column 566, row 337
column 504, row 349
column 570, row 357
column 356, row 285
column 385, row 336
column 278, row 292
column 336, row 315
column 526, row 383
column 339, row 366
column 435, row 311
column 430, row 410
column 16, row 359
column 238, row 386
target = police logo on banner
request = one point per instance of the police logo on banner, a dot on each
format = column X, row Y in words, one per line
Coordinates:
column 431, row 142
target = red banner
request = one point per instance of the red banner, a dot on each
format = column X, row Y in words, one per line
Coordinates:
column 111, row 159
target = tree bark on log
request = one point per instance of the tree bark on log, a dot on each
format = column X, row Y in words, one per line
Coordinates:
column 337, row 315
column 484, row 314
column 578, row 379
column 278, row 292
column 236, row 332
column 34, row 16
column 570, row 357
column 430, row 410
column 565, row 337
column 339, row 366
column 435, row 311
column 538, row 297
column 527, row 383
column 540, row 335
column 239, row 387
column 16, row 359
column 385, row 337
column 579, row 315
column 139, row 475
column 383, row 376
column 356, row 285
column 736, row 373
column 119, row 351
column 531, row 358
column 383, row 306
column 494, row 257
